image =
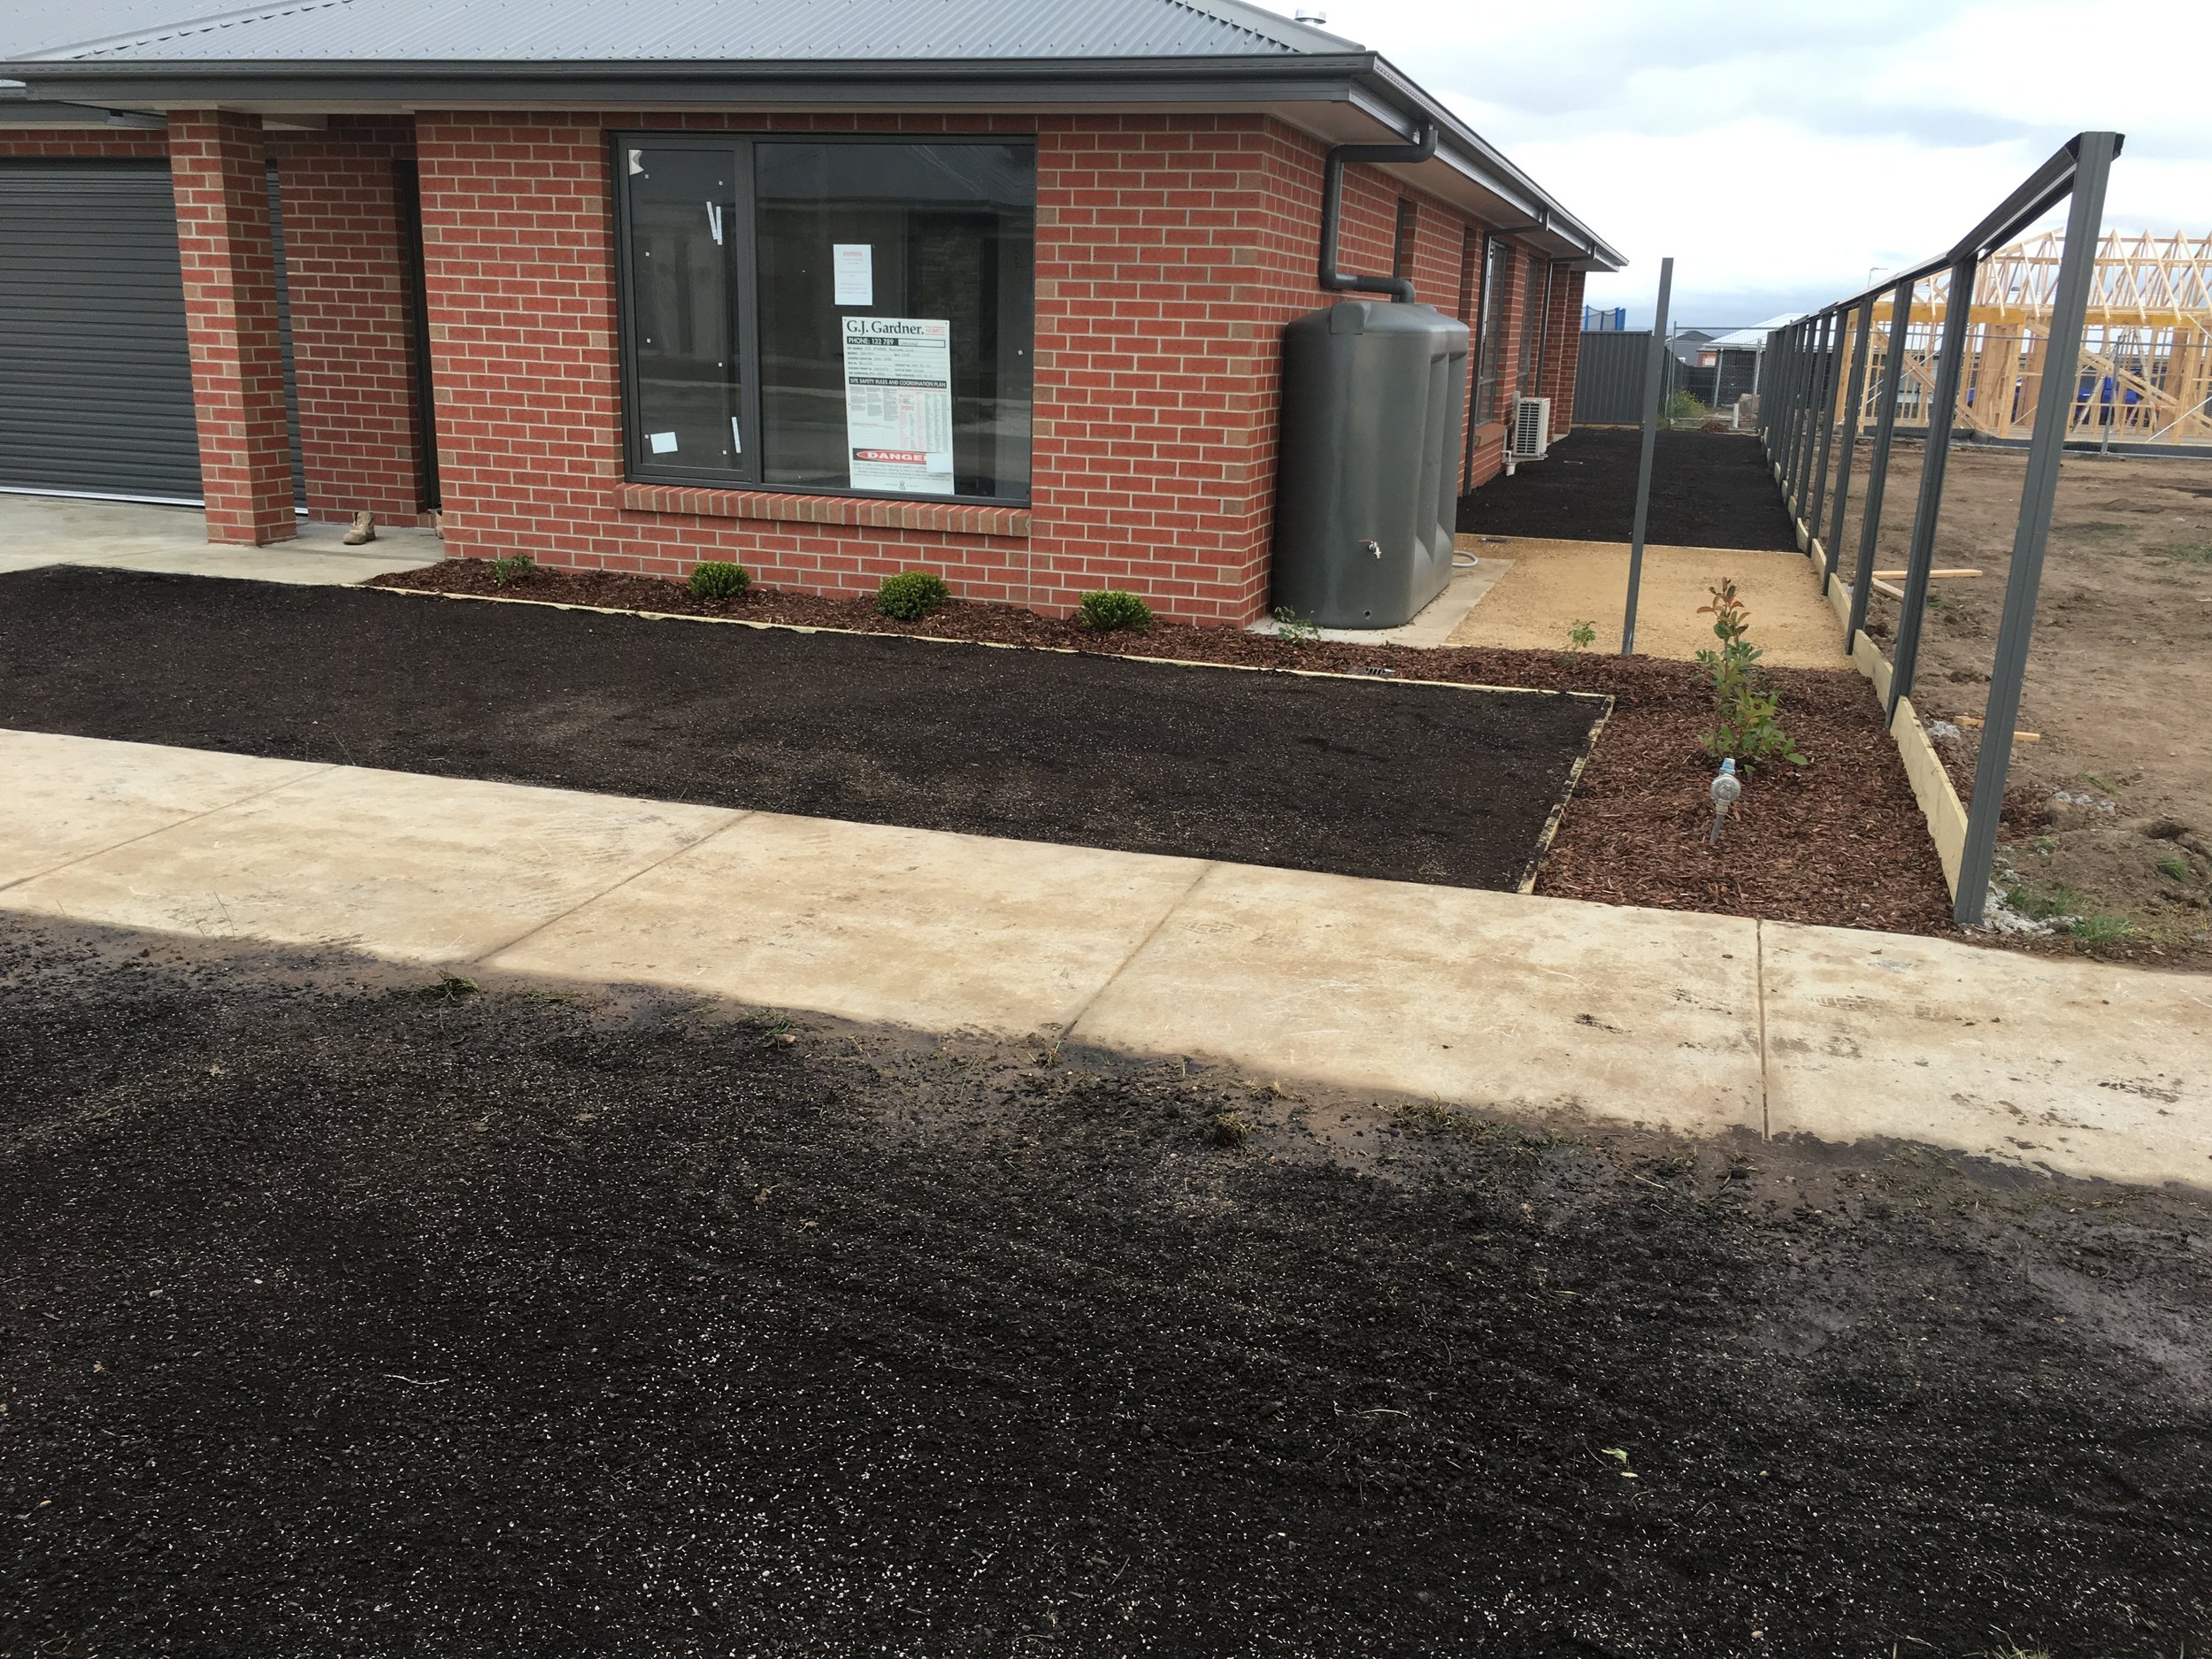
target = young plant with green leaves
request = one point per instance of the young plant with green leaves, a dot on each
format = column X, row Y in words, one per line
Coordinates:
column 1746, row 711
column 507, row 571
column 1582, row 636
column 1295, row 629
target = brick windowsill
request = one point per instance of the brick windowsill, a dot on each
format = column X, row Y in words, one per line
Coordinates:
column 958, row 517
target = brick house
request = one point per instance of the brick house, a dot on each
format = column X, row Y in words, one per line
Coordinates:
column 604, row 294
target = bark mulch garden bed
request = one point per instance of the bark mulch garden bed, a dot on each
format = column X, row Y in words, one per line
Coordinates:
column 1708, row 490
column 1841, row 841
column 349, row 1313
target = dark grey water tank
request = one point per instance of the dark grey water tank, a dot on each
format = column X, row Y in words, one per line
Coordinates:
column 1374, row 394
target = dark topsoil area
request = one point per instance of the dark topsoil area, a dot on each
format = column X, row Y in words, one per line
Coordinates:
column 1362, row 778
column 343, row 1317
column 1839, row 841
column 1708, row 490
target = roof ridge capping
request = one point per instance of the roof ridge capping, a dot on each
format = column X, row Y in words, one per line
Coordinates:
column 180, row 22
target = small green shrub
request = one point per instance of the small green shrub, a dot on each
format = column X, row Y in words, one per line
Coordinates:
column 1582, row 636
column 1110, row 609
column 1747, row 722
column 2174, row 867
column 1295, row 629
column 512, row 569
column 911, row 595
column 717, row 578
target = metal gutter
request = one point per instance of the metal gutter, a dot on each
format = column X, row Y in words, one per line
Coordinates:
column 19, row 111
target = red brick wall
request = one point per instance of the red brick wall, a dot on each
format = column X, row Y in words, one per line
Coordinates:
column 352, row 349
column 216, row 169
column 1170, row 253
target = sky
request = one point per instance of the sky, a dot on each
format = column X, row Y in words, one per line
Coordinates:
column 1781, row 152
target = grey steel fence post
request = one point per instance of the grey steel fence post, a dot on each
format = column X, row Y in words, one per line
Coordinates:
column 1778, row 378
column 2061, row 373
column 1878, row 462
column 1809, row 374
column 1653, row 370
column 1831, row 360
column 1769, row 403
column 1854, row 400
column 1785, row 392
column 1958, row 307
column 1802, row 428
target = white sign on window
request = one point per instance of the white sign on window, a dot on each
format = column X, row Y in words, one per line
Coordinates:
column 898, row 403
column 852, row 273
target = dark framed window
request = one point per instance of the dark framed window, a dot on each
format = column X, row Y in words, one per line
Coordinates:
column 1532, row 327
column 852, row 316
column 1497, row 281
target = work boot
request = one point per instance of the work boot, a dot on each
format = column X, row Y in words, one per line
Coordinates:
column 364, row 528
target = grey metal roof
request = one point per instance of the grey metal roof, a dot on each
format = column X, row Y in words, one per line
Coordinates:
column 146, row 56
column 27, row 30
column 725, row 31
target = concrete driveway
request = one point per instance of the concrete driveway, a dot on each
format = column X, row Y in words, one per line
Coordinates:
column 37, row 530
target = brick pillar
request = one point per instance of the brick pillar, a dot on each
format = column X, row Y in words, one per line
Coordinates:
column 217, row 164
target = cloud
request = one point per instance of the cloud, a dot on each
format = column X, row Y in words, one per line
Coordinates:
column 1778, row 150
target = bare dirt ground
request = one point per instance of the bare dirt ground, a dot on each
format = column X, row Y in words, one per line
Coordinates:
column 344, row 1311
column 2110, row 813
column 1554, row 585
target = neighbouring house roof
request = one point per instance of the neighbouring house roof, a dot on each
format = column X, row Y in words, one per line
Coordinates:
column 292, row 57
column 1738, row 338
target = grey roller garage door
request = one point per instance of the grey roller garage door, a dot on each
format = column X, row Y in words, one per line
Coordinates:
column 96, row 381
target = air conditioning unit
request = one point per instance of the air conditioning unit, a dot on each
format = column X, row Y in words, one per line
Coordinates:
column 1532, row 428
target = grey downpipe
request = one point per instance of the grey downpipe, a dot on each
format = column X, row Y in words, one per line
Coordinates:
column 1399, row 288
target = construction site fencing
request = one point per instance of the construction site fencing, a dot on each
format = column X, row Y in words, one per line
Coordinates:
column 1830, row 378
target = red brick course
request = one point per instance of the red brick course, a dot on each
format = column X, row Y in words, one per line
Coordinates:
column 217, row 165
column 352, row 348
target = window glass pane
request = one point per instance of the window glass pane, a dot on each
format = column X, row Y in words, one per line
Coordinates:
column 684, row 242
column 1496, row 276
column 1531, row 322
column 941, row 235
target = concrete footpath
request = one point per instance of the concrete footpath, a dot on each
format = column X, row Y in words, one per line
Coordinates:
column 1529, row 1005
